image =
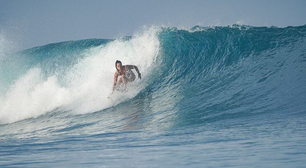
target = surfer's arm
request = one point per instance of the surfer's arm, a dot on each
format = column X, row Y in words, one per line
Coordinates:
column 136, row 68
column 139, row 74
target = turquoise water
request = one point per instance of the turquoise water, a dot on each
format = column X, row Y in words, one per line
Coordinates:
column 210, row 97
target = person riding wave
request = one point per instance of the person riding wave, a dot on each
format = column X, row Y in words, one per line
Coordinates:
column 126, row 73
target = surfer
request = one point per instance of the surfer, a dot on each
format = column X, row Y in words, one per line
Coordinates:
column 126, row 73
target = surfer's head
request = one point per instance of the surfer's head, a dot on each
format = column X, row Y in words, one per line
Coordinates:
column 118, row 65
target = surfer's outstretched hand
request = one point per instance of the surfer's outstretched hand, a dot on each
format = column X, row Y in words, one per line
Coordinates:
column 139, row 75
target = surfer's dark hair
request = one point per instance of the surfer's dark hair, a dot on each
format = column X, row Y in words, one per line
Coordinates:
column 117, row 63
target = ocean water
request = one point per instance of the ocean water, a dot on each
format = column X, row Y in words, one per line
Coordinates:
column 231, row 96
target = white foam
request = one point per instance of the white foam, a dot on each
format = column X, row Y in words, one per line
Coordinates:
column 92, row 78
column 86, row 85
column 31, row 96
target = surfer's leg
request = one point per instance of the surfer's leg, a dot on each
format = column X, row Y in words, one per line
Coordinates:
column 119, row 81
column 118, row 84
column 123, row 82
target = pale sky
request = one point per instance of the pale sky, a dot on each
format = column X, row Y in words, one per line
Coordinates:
column 30, row 23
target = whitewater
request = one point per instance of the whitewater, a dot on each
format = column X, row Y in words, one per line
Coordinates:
column 231, row 96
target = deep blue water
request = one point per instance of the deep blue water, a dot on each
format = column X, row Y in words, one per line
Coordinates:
column 210, row 97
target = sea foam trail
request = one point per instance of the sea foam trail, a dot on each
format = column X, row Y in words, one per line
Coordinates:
column 82, row 87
